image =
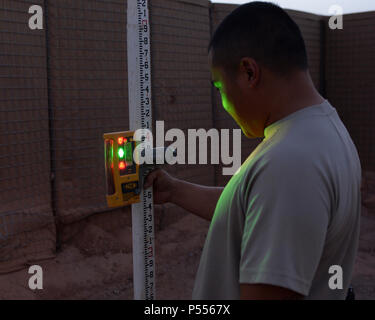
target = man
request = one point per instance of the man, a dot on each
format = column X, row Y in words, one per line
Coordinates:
column 293, row 209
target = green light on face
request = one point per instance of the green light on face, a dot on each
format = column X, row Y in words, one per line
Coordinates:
column 217, row 84
column 228, row 106
column 121, row 153
column 225, row 102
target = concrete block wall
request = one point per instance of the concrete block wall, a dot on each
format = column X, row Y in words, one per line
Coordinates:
column 350, row 80
column 89, row 96
column 180, row 74
column 27, row 229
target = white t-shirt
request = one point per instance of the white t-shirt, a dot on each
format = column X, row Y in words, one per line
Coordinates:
column 290, row 213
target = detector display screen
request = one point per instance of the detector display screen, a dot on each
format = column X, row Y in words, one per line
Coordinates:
column 125, row 155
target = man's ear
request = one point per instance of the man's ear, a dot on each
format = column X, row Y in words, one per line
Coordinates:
column 250, row 74
column 251, row 68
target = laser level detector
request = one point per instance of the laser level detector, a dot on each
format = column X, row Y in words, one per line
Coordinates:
column 125, row 179
column 121, row 170
column 124, row 174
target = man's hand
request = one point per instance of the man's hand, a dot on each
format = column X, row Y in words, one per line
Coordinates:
column 163, row 186
column 267, row 292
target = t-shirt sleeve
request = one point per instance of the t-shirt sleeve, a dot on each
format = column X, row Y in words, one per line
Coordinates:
column 287, row 210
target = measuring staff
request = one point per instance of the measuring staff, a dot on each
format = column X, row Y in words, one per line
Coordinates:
column 124, row 175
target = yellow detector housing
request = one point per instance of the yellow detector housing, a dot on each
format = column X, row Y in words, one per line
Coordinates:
column 122, row 172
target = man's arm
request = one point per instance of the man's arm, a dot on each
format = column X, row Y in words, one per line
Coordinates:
column 267, row 292
column 199, row 200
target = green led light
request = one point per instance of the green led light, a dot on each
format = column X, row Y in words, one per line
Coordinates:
column 121, row 153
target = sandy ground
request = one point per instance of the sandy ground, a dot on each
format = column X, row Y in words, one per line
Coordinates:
column 96, row 262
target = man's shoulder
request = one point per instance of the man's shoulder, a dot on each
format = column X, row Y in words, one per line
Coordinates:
column 302, row 146
column 283, row 161
column 282, row 155
column 304, row 140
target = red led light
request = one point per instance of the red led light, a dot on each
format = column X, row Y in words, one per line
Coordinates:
column 122, row 165
column 120, row 141
column 125, row 140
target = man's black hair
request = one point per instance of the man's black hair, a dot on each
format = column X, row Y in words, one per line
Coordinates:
column 262, row 31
